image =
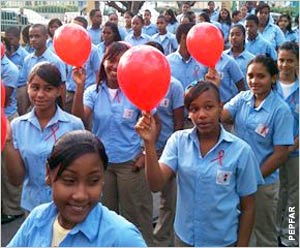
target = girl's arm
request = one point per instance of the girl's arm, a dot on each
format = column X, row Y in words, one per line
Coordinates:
column 78, row 108
column 14, row 165
column 157, row 174
column 278, row 157
column 296, row 144
column 178, row 117
column 246, row 220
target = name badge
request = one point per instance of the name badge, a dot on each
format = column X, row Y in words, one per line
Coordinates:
column 165, row 103
column 223, row 177
column 262, row 130
column 297, row 108
column 128, row 113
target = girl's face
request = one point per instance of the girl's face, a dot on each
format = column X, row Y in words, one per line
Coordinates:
column 42, row 94
column 77, row 189
column 52, row 28
column 259, row 79
column 136, row 25
column 110, row 67
column 147, row 16
column 283, row 23
column 114, row 19
column 243, row 11
column 201, row 19
column 168, row 17
column 107, row 35
column 127, row 18
column 236, row 37
column 224, row 14
column 263, row 15
column 287, row 62
column 205, row 112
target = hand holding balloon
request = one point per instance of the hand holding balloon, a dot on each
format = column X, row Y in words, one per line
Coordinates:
column 79, row 76
column 213, row 76
column 146, row 128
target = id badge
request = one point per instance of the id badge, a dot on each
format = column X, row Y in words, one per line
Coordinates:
column 223, row 177
column 262, row 130
column 128, row 114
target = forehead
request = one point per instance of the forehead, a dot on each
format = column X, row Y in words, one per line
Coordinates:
column 205, row 96
column 257, row 67
column 136, row 19
column 113, row 16
column 264, row 10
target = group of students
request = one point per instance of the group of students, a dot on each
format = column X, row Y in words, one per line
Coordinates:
column 221, row 178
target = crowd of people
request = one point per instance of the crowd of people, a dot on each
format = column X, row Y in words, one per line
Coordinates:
column 222, row 146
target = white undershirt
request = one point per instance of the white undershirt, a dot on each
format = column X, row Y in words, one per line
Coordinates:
column 162, row 37
column 112, row 93
column 287, row 89
column 59, row 233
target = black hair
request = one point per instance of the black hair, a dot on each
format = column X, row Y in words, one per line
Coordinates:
column 183, row 29
column 41, row 27
column 140, row 17
column 252, row 18
column 205, row 16
column 82, row 20
column 171, row 13
column 93, row 12
column 267, row 61
column 147, row 10
column 241, row 28
column 114, row 28
column 209, row 2
column 14, row 31
column 156, row 45
column 112, row 51
column 53, row 21
column 189, row 15
column 289, row 26
column 25, row 34
column 194, row 91
column 290, row 46
column 228, row 18
column 261, row 6
column 71, row 146
column 129, row 13
column 235, row 13
column 49, row 73
column 162, row 17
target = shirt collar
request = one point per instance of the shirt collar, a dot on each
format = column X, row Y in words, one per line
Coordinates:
column 46, row 54
column 180, row 57
column 268, row 103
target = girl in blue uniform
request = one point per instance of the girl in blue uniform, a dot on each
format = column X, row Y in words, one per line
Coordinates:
column 114, row 118
column 75, row 171
column 216, row 172
column 264, row 121
column 32, row 135
column 288, row 88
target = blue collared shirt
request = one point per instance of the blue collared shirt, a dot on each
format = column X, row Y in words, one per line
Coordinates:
column 35, row 145
column 173, row 100
column 186, row 71
column 209, row 188
column 242, row 60
column 172, row 27
column 231, row 74
column 260, row 46
column 214, row 16
column 101, row 227
column 31, row 60
column 293, row 101
column 141, row 40
column 122, row 32
column 150, row 30
column 114, row 122
column 9, row 76
column 95, row 34
column 273, row 34
column 269, row 125
column 169, row 43
column 291, row 36
column 18, row 57
column 49, row 44
column 92, row 67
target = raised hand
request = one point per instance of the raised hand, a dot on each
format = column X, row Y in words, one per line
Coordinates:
column 79, row 75
column 146, row 128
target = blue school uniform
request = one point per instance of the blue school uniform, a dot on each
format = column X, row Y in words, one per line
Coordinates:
column 31, row 60
column 209, row 188
column 101, row 50
column 49, row 44
column 101, row 227
column 92, row 66
column 18, row 57
column 230, row 74
column 173, row 100
column 172, row 27
column 242, row 60
column 261, row 46
column 141, row 40
column 291, row 36
column 214, row 16
column 35, row 145
column 293, row 101
column 186, row 71
column 95, row 34
column 264, row 127
column 122, row 32
column 169, row 42
column 150, row 30
column 9, row 76
column 273, row 34
column 114, row 122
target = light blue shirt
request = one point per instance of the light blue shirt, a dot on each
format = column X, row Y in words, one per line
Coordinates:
column 169, row 42
column 261, row 46
column 114, row 122
column 209, row 188
column 29, row 49
column 172, row 28
column 31, row 60
column 18, row 57
column 225, row 29
column 173, row 100
column 35, row 145
column 230, row 74
column 9, row 76
column 101, row 50
column 186, row 71
column 92, row 67
column 242, row 60
column 95, row 34
column 141, row 40
column 273, row 34
column 49, row 44
column 101, row 227
column 150, row 30
column 214, row 16
column 293, row 101
column 269, row 125
column 291, row 36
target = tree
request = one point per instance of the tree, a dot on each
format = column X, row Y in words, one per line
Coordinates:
column 180, row 3
column 123, row 6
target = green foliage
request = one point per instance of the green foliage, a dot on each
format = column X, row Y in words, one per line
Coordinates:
column 54, row 8
column 293, row 11
column 162, row 9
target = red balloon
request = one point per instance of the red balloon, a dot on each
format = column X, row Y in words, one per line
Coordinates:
column 2, row 94
column 205, row 43
column 2, row 49
column 72, row 44
column 144, row 76
column 3, row 128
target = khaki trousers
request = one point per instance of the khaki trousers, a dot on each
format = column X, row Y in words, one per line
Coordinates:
column 289, row 203
column 127, row 193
